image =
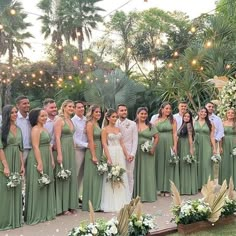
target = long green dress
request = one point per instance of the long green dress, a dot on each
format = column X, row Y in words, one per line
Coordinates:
column 145, row 172
column 66, row 190
column 92, row 180
column 164, row 170
column 11, row 198
column 228, row 163
column 203, row 152
column 39, row 201
column 188, row 172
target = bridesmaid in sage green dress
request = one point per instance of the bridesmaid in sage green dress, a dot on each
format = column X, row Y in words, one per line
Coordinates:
column 167, row 133
column 188, row 172
column 11, row 158
column 66, row 190
column 228, row 163
column 205, row 146
column 144, row 171
column 39, row 200
column 92, row 180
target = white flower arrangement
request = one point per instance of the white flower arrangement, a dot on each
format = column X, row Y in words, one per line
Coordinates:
column 44, row 180
column 140, row 225
column 227, row 97
column 102, row 168
column 191, row 211
column 229, row 207
column 190, row 159
column 216, row 158
column 99, row 228
column 233, row 152
column 146, row 146
column 13, row 180
column 114, row 175
column 174, row 159
column 63, row 174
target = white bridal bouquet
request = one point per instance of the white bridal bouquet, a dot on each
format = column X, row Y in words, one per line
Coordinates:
column 216, row 158
column 44, row 180
column 190, row 159
column 146, row 146
column 102, row 168
column 63, row 174
column 174, row 159
column 114, row 175
column 14, row 179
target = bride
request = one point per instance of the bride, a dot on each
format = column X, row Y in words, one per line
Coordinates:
column 113, row 199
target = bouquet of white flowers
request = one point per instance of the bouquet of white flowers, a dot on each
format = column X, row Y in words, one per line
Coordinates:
column 13, row 180
column 63, row 174
column 102, row 168
column 114, row 175
column 140, row 225
column 233, row 153
column 99, row 228
column 44, row 180
column 190, row 159
column 191, row 211
column 174, row 159
column 216, row 158
column 146, row 146
column 229, row 207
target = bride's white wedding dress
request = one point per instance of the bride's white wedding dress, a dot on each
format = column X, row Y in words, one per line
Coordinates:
column 114, row 199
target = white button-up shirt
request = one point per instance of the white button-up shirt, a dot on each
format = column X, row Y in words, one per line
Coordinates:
column 49, row 126
column 153, row 119
column 129, row 131
column 219, row 128
column 24, row 124
column 80, row 136
column 179, row 120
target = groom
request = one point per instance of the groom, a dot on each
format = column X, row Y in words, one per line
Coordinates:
column 129, row 133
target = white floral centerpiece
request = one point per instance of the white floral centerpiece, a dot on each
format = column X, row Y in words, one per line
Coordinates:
column 63, row 174
column 146, row 146
column 115, row 173
column 13, row 180
column 227, row 97
column 216, row 158
column 190, row 159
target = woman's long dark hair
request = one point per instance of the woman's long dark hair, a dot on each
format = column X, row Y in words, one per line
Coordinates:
column 208, row 122
column 183, row 130
column 6, row 123
column 34, row 115
column 147, row 120
column 163, row 105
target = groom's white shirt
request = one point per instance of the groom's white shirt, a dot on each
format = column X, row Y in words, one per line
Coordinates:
column 129, row 133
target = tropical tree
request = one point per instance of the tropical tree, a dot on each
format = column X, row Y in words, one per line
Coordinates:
column 13, row 36
column 78, row 18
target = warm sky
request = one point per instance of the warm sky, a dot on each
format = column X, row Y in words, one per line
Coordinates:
column 193, row 8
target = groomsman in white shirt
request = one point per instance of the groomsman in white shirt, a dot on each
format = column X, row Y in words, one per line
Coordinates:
column 49, row 105
column 80, row 140
column 182, row 107
column 219, row 128
column 129, row 133
column 22, row 121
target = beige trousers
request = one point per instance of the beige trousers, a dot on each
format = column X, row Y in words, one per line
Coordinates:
column 130, row 174
column 79, row 157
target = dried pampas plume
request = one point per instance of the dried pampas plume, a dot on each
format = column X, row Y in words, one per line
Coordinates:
column 175, row 194
column 91, row 213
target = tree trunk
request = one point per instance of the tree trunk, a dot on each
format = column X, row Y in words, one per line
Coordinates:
column 80, row 49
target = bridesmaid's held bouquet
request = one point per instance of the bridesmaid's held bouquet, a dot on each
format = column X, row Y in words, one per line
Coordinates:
column 114, row 175
column 102, row 168
column 233, row 153
column 174, row 159
column 190, row 159
column 216, row 158
column 44, row 180
column 63, row 174
column 13, row 180
column 146, row 146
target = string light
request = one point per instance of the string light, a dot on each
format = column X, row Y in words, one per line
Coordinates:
column 208, row 44
column 228, row 66
column 180, row 68
column 193, row 29
column 170, row 65
column 1, row 27
column 129, row 50
column 13, row 12
column 176, row 54
column 75, row 58
column 194, row 62
column 201, row 68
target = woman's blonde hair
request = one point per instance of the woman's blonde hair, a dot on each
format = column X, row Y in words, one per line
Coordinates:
column 234, row 121
column 89, row 115
column 63, row 105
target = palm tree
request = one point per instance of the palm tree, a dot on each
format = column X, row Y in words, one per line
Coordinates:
column 13, row 36
column 78, row 18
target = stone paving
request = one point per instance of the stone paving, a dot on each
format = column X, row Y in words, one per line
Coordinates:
column 62, row 224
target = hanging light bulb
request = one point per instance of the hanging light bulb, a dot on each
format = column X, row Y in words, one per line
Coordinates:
column 12, row 11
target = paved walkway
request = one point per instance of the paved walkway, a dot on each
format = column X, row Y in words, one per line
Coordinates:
column 62, row 224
